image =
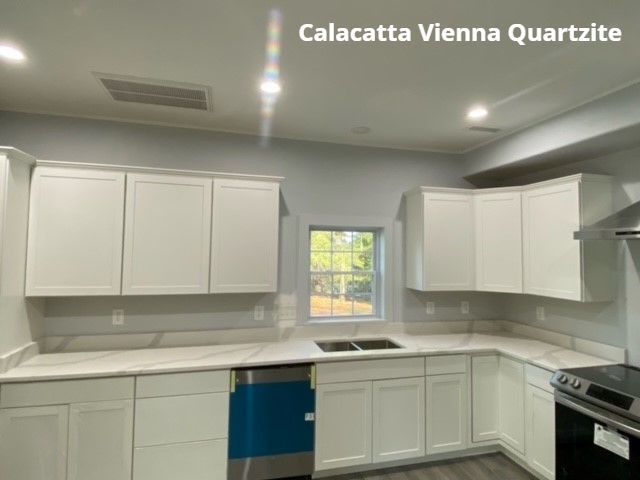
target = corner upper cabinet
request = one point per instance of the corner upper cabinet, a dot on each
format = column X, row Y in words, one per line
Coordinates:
column 75, row 232
column 556, row 265
column 440, row 239
column 498, row 230
column 167, row 235
column 244, row 244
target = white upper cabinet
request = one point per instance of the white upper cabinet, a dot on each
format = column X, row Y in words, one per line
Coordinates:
column 440, row 239
column 167, row 235
column 498, row 229
column 556, row 265
column 244, row 249
column 75, row 232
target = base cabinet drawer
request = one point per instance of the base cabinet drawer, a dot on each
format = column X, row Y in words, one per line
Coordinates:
column 193, row 461
column 182, row 418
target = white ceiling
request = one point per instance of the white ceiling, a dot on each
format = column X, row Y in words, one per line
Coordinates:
column 412, row 96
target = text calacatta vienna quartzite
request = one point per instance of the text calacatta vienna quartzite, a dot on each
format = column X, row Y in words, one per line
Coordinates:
column 434, row 32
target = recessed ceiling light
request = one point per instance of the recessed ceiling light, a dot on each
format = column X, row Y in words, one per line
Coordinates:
column 270, row 86
column 360, row 130
column 11, row 53
column 477, row 113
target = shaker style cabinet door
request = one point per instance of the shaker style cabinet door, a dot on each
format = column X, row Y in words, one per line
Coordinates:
column 244, row 246
column 499, row 241
column 75, row 232
column 541, row 429
column 446, row 413
column 398, row 419
column 343, row 425
column 485, row 398
column 167, row 235
column 33, row 443
column 511, row 387
column 100, row 440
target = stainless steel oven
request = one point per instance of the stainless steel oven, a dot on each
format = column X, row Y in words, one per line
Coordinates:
column 597, row 429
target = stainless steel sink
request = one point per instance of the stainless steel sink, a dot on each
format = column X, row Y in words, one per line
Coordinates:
column 357, row 345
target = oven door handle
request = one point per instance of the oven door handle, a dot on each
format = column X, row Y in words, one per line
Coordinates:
column 599, row 414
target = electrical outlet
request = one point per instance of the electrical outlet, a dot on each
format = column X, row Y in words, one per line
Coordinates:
column 117, row 317
column 464, row 307
column 258, row 313
column 541, row 315
column 431, row 308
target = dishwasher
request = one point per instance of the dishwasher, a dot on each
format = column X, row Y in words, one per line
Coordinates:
column 272, row 422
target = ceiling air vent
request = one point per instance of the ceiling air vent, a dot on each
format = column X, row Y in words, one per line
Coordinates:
column 484, row 129
column 156, row 92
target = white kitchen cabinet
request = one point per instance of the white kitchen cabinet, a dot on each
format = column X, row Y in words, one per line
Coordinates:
column 343, row 424
column 556, row 265
column 447, row 413
column 485, row 398
column 100, row 440
column 244, row 246
column 498, row 233
column 440, row 239
column 540, row 428
column 75, row 232
column 398, row 419
column 511, row 413
column 206, row 460
column 167, row 235
column 33, row 443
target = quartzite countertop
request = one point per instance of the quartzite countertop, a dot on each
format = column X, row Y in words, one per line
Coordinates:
column 56, row 366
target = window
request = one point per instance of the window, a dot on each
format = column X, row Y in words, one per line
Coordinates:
column 343, row 273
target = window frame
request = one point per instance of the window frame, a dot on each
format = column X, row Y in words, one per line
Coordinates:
column 383, row 228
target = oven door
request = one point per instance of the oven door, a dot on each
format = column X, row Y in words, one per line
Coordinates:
column 592, row 443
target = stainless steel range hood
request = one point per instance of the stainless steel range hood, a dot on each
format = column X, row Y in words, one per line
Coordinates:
column 623, row 225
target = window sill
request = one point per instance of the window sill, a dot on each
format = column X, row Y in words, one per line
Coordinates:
column 346, row 321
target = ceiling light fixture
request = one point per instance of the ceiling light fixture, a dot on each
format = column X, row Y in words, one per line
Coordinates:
column 477, row 113
column 8, row 52
column 270, row 86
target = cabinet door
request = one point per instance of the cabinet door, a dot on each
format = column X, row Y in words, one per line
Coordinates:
column 499, row 242
column 75, row 232
column 167, row 235
column 33, row 443
column 449, row 241
column 446, row 413
column 512, row 403
column 485, row 398
column 343, row 425
column 540, row 423
column 100, row 440
column 245, row 236
column 552, row 258
column 398, row 419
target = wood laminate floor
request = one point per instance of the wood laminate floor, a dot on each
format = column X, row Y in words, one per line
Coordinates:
column 493, row 466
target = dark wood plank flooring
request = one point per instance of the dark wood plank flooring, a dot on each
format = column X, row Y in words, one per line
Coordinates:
column 493, row 466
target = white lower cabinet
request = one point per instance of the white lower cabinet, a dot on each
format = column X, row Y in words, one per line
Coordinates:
column 398, row 419
column 485, row 398
column 343, row 424
column 100, row 440
column 33, row 443
column 540, row 428
column 206, row 460
column 511, row 391
column 446, row 413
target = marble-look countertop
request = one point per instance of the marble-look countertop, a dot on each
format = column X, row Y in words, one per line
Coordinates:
column 57, row 366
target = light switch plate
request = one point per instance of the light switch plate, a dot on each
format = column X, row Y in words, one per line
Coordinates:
column 258, row 313
column 117, row 317
column 541, row 315
column 464, row 307
column 431, row 308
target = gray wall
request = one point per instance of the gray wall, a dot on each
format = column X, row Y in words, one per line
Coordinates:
column 321, row 178
column 616, row 322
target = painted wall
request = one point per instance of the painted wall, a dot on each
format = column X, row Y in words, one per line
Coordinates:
column 321, row 179
column 616, row 322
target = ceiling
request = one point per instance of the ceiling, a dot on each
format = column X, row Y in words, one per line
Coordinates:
column 411, row 95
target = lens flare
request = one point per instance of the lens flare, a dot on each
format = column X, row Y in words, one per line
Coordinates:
column 270, row 84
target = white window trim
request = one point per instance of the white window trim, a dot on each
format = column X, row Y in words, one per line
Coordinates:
column 384, row 227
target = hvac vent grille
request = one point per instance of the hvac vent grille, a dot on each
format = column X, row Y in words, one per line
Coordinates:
column 484, row 129
column 156, row 92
